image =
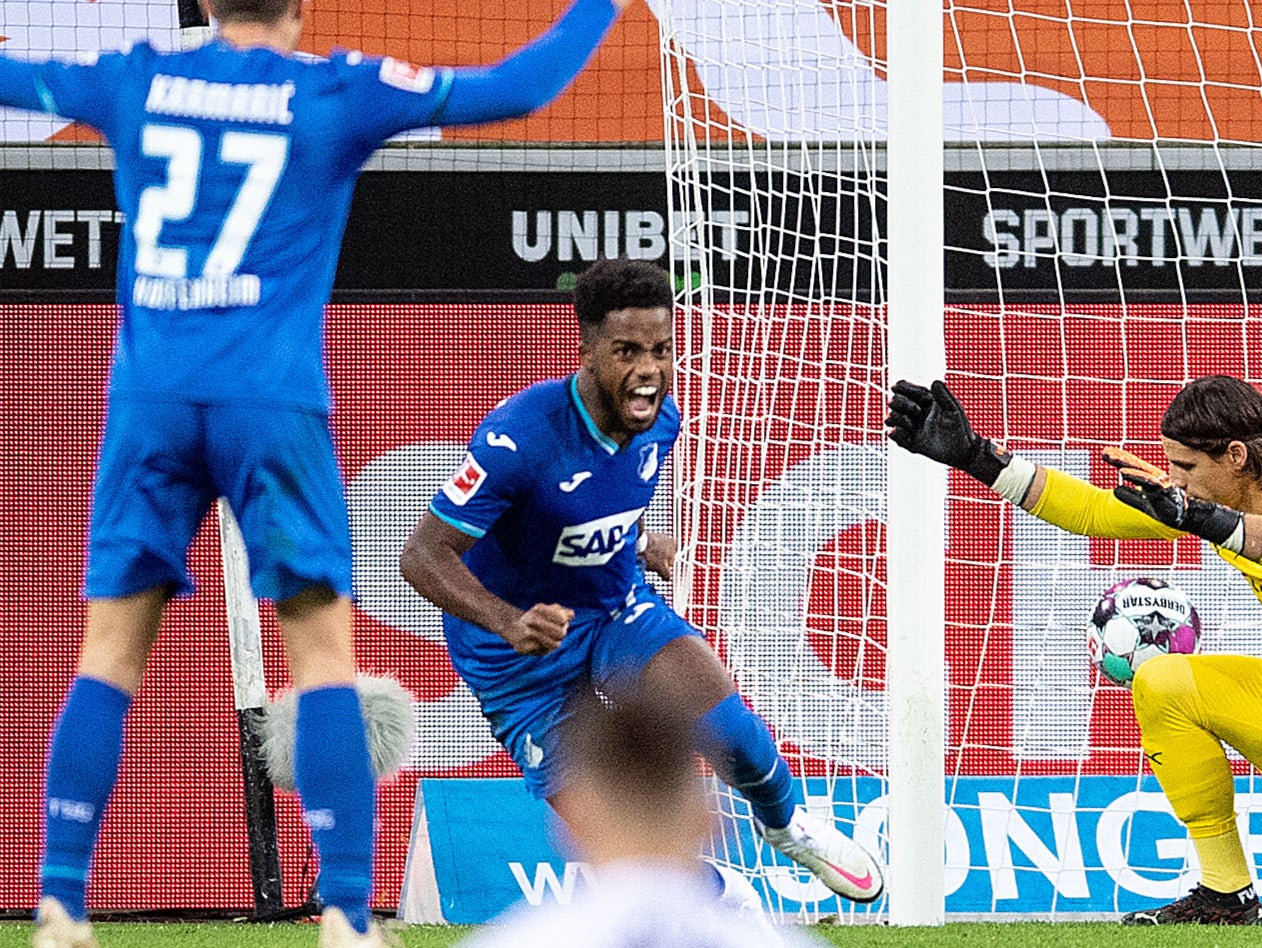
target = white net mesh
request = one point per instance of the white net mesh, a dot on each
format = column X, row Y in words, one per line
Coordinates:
column 67, row 29
column 1102, row 248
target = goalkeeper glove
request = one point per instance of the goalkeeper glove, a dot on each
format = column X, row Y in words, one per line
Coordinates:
column 1148, row 489
column 931, row 422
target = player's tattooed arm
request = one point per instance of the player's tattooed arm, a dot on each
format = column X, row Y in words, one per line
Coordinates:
column 432, row 565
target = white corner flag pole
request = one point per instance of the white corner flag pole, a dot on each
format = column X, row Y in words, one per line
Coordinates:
column 245, row 645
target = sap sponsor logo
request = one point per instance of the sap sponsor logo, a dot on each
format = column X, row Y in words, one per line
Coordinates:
column 545, row 881
column 462, row 485
column 57, row 239
column 566, row 235
column 405, row 76
column 1112, row 236
column 595, row 542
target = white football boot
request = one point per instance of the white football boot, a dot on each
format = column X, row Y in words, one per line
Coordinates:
column 336, row 932
column 834, row 858
column 54, row 928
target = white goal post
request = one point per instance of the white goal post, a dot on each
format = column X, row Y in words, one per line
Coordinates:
column 914, row 538
column 1058, row 213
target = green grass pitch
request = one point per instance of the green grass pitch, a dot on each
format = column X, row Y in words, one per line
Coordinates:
column 959, row 935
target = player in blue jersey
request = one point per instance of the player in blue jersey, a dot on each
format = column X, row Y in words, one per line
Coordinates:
column 530, row 550
column 234, row 166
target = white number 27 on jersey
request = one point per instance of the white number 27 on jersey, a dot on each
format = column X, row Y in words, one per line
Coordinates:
column 173, row 200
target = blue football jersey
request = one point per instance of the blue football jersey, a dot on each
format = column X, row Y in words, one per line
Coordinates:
column 234, row 169
column 553, row 501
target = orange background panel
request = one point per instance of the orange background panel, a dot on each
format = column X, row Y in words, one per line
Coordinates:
column 1188, row 70
column 617, row 98
column 1152, row 69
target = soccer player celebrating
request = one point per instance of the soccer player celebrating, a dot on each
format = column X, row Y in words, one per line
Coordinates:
column 1187, row 706
column 235, row 165
column 530, row 550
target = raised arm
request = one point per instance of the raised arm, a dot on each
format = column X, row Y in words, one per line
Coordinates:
column 534, row 75
column 1148, row 488
column 21, row 86
column 84, row 90
column 932, row 422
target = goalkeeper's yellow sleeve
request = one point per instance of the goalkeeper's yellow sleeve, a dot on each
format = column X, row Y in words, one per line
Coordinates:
column 1078, row 507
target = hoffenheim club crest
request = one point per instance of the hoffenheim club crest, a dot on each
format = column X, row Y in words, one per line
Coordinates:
column 648, row 461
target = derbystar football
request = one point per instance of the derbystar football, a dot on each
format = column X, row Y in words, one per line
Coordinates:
column 1137, row 619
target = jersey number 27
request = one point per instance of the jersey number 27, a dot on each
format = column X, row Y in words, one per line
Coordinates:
column 264, row 156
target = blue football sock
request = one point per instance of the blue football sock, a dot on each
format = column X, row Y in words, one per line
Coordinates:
column 83, row 758
column 743, row 753
column 335, row 780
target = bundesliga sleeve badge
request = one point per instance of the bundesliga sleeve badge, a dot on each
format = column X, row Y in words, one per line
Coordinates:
column 405, row 76
column 465, row 482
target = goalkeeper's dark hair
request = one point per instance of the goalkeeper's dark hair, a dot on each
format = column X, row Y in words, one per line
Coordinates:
column 1211, row 412
column 248, row 11
column 639, row 751
column 609, row 285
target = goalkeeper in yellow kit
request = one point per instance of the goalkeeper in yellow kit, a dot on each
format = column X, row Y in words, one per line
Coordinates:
column 1187, row 706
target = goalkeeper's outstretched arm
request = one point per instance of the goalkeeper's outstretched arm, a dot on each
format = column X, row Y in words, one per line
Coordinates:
column 932, row 422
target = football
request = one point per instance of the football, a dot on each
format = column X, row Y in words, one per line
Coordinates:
column 1137, row 619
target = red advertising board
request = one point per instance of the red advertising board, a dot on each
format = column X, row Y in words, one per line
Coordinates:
column 410, row 383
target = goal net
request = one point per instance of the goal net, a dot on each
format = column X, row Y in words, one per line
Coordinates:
column 1102, row 246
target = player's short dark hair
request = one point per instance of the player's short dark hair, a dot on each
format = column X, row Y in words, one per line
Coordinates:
column 609, row 285
column 1211, row 412
column 248, row 11
column 639, row 750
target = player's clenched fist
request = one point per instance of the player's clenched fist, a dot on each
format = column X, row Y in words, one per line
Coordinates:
column 539, row 629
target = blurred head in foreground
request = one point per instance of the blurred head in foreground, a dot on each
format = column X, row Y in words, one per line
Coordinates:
column 632, row 790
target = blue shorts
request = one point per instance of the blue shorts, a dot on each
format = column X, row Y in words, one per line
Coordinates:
column 525, row 697
column 163, row 464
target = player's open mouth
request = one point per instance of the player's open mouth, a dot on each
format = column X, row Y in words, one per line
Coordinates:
column 641, row 401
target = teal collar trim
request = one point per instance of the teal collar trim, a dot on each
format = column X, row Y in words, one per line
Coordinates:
column 602, row 439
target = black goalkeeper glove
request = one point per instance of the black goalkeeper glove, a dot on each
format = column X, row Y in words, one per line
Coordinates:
column 1148, row 489
column 931, row 421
